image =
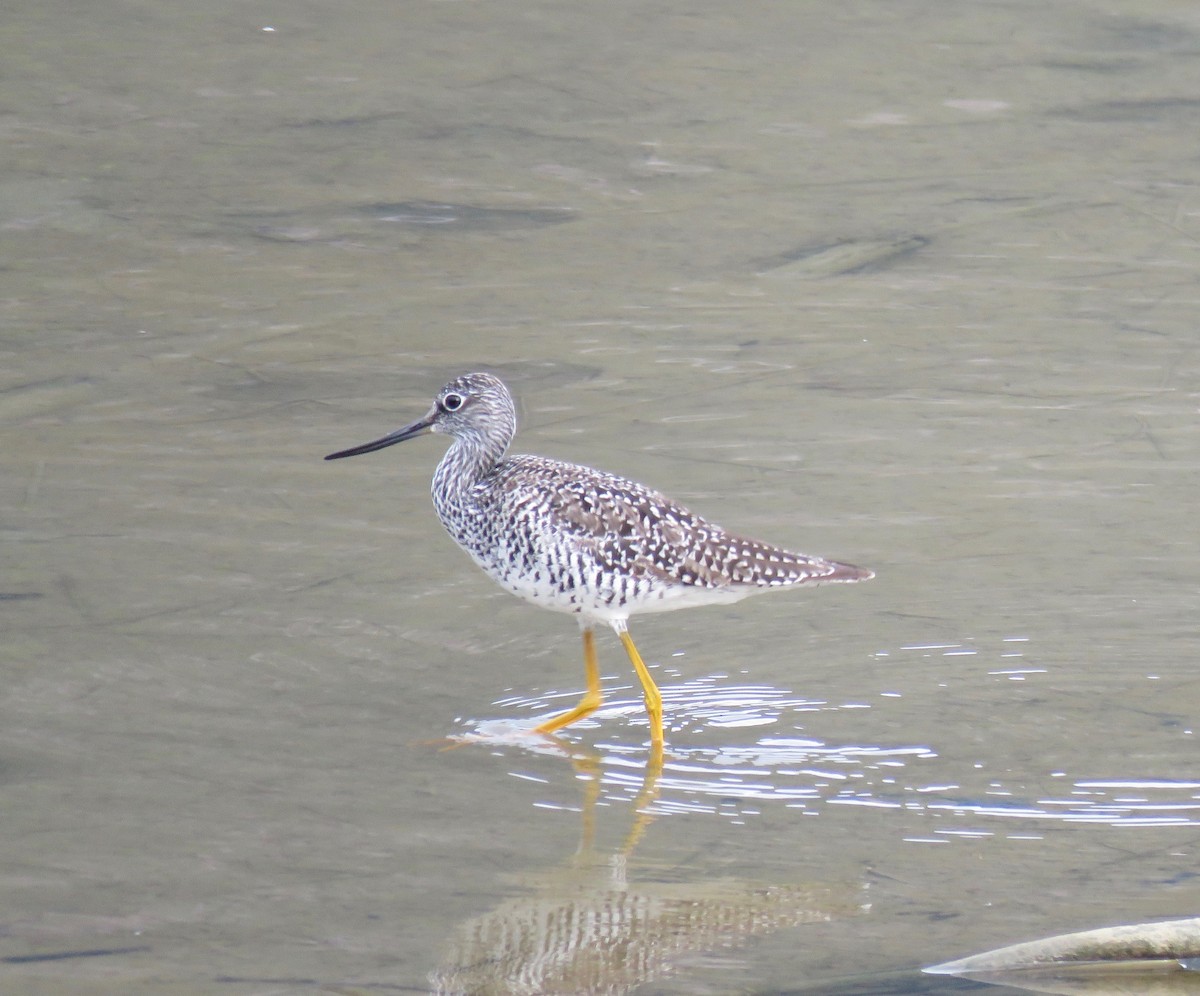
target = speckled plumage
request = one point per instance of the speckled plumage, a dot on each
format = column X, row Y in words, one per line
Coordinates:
column 573, row 539
column 578, row 540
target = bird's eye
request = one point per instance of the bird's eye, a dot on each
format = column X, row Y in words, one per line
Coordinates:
column 452, row 402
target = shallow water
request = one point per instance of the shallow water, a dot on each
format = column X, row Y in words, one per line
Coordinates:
column 909, row 285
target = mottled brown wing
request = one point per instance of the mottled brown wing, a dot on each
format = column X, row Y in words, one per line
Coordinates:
column 640, row 531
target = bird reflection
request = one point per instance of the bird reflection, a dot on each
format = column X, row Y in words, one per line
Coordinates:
column 591, row 926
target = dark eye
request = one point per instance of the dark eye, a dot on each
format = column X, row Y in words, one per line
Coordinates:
column 452, row 402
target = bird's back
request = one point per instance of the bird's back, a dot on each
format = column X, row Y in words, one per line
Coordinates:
column 577, row 539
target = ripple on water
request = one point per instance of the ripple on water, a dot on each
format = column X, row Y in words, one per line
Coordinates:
column 710, row 769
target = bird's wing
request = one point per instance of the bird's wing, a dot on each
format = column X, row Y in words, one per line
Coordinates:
column 641, row 531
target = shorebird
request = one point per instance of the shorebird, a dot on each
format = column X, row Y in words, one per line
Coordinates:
column 573, row 539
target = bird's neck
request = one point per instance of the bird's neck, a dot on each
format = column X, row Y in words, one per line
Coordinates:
column 468, row 461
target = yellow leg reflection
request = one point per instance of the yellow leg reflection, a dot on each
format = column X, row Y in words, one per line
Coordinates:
column 588, row 765
column 649, row 690
column 591, row 698
column 646, row 798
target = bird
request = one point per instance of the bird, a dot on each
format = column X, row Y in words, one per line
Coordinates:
column 574, row 539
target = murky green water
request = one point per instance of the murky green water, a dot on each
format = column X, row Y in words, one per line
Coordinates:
column 909, row 285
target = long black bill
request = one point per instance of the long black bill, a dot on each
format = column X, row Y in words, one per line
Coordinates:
column 417, row 428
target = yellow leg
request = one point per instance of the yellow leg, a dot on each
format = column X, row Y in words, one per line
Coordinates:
column 591, row 698
column 649, row 690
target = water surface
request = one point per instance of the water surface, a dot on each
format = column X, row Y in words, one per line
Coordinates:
column 910, row 285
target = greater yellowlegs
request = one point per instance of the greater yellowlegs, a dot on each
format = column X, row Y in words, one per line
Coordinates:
column 577, row 540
